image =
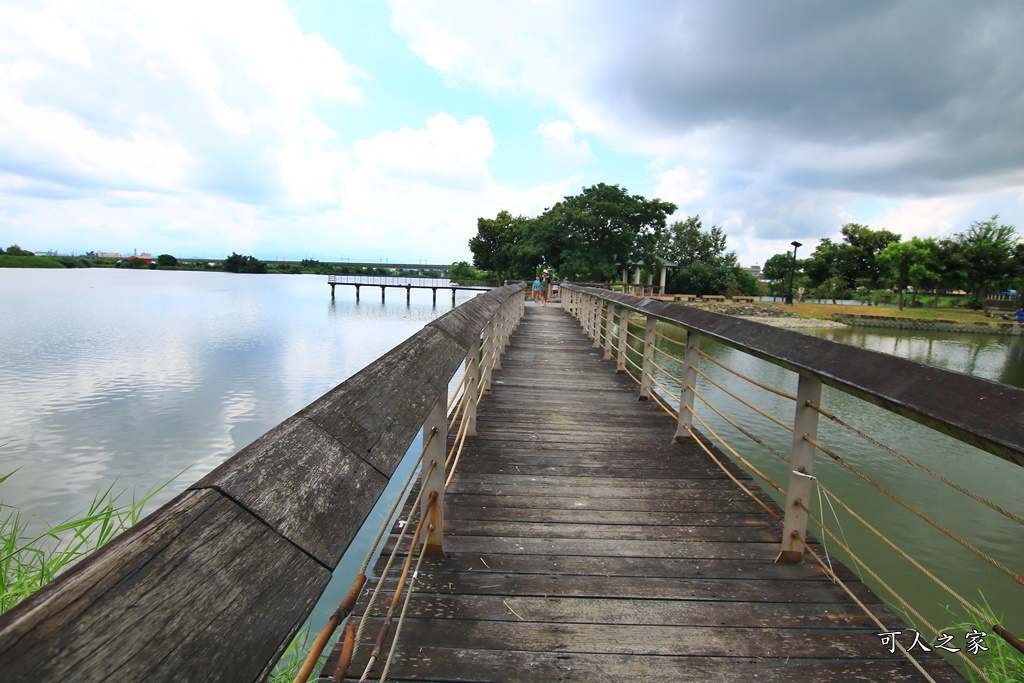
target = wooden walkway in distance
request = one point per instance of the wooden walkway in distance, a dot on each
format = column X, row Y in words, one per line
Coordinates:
column 583, row 545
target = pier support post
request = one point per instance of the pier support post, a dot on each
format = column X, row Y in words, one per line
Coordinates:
column 472, row 385
column 487, row 357
column 620, row 366
column 612, row 310
column 434, row 290
column 689, row 382
column 434, row 475
column 798, row 495
column 357, row 293
column 382, row 288
column 332, row 291
column 650, row 339
column 408, row 294
column 600, row 308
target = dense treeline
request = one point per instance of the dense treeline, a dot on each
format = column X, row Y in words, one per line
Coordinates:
column 875, row 265
column 595, row 235
column 16, row 257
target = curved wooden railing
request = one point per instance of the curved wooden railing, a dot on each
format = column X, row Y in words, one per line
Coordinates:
column 979, row 412
column 215, row 584
column 968, row 408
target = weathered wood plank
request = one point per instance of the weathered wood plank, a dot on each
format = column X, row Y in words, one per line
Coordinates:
column 184, row 571
column 478, row 666
column 583, row 545
column 213, row 585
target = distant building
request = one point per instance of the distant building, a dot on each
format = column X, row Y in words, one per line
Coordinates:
column 108, row 254
column 754, row 270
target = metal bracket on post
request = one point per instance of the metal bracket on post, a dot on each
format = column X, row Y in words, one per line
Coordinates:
column 436, row 430
column 798, row 495
column 686, row 396
column 650, row 338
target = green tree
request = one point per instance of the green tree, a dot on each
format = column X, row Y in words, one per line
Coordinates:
column 166, row 261
column 986, row 250
column 860, row 260
column 597, row 233
column 15, row 250
column 776, row 272
column 704, row 265
column 899, row 257
column 496, row 245
column 236, row 263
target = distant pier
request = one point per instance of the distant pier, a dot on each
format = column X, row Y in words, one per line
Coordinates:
column 397, row 282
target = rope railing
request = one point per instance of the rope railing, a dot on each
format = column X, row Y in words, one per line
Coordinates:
column 659, row 379
column 459, row 405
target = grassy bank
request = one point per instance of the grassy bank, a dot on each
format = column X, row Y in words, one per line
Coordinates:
column 827, row 311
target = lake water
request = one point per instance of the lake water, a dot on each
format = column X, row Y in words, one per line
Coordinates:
column 137, row 377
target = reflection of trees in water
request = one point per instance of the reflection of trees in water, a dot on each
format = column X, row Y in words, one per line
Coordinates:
column 996, row 357
column 1013, row 370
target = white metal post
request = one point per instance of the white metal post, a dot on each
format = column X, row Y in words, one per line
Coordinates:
column 435, row 431
column 620, row 366
column 686, row 396
column 472, row 385
column 650, row 339
column 798, row 495
column 608, row 332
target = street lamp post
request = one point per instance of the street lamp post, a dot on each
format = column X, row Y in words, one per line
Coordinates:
column 792, row 271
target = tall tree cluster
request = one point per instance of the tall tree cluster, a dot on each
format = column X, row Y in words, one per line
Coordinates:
column 985, row 258
column 594, row 235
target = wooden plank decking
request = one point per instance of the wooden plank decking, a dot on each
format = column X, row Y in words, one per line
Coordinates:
column 583, row 545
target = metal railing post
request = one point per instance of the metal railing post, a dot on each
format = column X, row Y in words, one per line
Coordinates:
column 432, row 503
column 472, row 385
column 497, row 340
column 689, row 383
column 620, row 366
column 650, row 339
column 798, row 496
column 487, row 356
column 609, row 320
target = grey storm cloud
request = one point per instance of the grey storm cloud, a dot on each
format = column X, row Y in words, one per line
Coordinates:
column 919, row 96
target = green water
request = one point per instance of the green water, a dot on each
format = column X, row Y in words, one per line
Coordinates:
column 999, row 358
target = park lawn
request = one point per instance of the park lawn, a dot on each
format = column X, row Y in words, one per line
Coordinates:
column 812, row 310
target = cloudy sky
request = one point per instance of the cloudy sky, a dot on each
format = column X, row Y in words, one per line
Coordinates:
column 364, row 130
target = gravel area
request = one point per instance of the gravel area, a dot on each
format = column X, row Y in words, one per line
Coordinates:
column 769, row 314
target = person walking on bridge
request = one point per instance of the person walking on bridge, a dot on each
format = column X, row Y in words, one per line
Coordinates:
column 545, row 287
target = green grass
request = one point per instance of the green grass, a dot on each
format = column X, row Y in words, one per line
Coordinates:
column 30, row 561
column 1001, row 662
column 7, row 261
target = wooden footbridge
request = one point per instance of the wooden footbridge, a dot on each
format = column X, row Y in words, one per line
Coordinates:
column 584, row 544
column 559, row 530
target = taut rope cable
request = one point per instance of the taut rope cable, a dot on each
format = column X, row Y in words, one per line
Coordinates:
column 917, row 565
column 745, row 432
column 405, row 604
column 747, row 404
column 414, row 510
column 944, row 480
column 742, row 376
column 739, row 457
column 345, row 608
column 386, row 627
column 899, row 598
column 995, row 563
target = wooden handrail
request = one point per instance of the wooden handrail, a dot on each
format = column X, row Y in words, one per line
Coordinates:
column 976, row 411
column 216, row 583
